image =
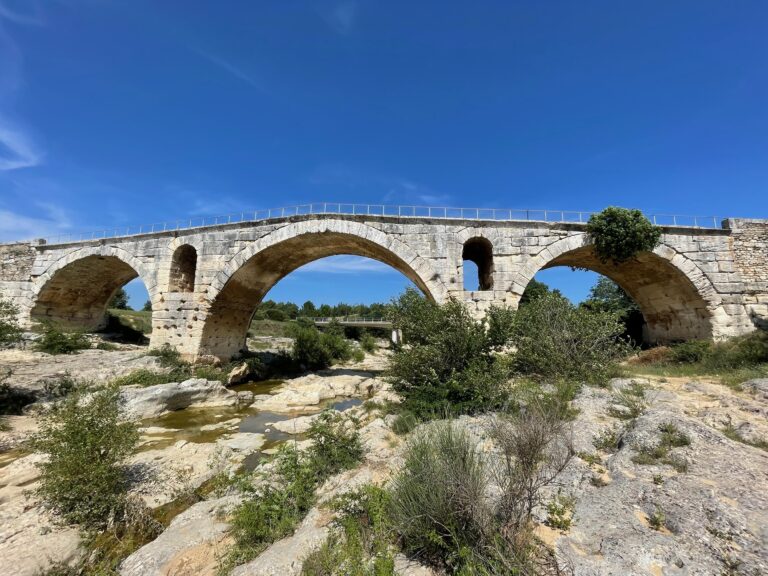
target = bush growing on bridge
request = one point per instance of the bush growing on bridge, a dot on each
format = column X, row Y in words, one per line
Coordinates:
column 449, row 364
column 619, row 234
column 84, row 480
column 556, row 340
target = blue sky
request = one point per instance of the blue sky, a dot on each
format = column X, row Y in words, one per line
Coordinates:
column 131, row 111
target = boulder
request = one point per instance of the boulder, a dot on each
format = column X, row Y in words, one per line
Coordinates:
column 152, row 401
column 238, row 374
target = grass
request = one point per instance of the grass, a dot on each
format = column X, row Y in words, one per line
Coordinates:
column 734, row 434
column 631, row 399
column 271, row 328
column 660, row 453
column 560, row 511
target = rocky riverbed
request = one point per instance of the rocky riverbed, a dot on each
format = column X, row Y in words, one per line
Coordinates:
column 706, row 514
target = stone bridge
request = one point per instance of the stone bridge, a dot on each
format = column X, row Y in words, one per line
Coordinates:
column 206, row 282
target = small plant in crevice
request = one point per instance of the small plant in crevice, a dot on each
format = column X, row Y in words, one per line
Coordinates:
column 608, row 439
column 629, row 402
column 658, row 479
column 660, row 453
column 361, row 541
column 733, row 433
column 658, row 519
column 560, row 511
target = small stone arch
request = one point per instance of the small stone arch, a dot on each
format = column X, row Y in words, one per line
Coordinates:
column 183, row 269
column 74, row 290
column 676, row 298
column 236, row 291
column 480, row 251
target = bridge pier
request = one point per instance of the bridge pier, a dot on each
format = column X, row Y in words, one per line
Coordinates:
column 205, row 283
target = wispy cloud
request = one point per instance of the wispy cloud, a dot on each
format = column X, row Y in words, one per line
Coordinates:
column 346, row 265
column 16, row 149
column 231, row 69
column 31, row 16
column 51, row 221
column 342, row 16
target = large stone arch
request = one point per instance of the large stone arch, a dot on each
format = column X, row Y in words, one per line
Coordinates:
column 75, row 289
column 676, row 298
column 236, row 291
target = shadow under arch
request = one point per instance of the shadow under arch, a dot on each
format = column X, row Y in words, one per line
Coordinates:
column 74, row 292
column 253, row 273
column 674, row 296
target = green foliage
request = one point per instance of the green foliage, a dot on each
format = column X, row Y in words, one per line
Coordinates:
column 730, row 432
column 607, row 296
column 536, row 289
column 608, row 439
column 629, row 402
column 691, row 351
column 449, row 365
column 147, row 306
column 660, row 453
column 55, row 341
column 437, row 497
column 658, row 519
column 119, row 301
column 336, row 443
column 167, row 356
column 284, row 496
column 60, row 385
column 144, row 377
column 315, row 350
column 557, row 340
column 368, row 343
column 619, row 234
column 405, row 422
column 10, row 331
column 84, row 479
column 560, row 511
column 360, row 543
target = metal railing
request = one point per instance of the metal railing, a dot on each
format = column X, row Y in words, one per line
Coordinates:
column 346, row 319
column 346, row 209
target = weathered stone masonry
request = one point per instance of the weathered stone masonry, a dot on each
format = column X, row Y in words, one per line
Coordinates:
column 205, row 283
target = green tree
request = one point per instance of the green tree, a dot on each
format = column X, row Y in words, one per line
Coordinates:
column 536, row 289
column 119, row 301
column 607, row 296
column 448, row 365
column 10, row 332
column 618, row 234
column 308, row 309
column 147, row 306
column 556, row 340
column 84, row 479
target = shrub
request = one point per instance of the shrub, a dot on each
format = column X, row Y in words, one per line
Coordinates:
column 286, row 494
column 557, row 340
column 449, row 365
column 13, row 400
column 658, row 519
column 618, row 234
column 336, row 444
column 629, row 402
column 145, row 377
column 54, row 341
column 368, row 343
column 360, row 540
column 691, row 351
column 168, row 357
column 308, row 349
column 10, row 332
column 560, row 511
column 84, row 479
column 671, row 437
column 405, row 422
column 438, row 499
column 60, row 386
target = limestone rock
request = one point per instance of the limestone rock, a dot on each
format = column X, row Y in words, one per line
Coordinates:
column 153, row 401
column 188, row 546
column 238, row 374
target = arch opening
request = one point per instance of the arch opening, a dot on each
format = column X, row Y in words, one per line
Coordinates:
column 230, row 314
column 77, row 295
column 672, row 307
column 183, row 269
column 479, row 251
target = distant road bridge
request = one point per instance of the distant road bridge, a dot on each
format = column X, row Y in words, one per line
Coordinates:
column 205, row 277
column 352, row 321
